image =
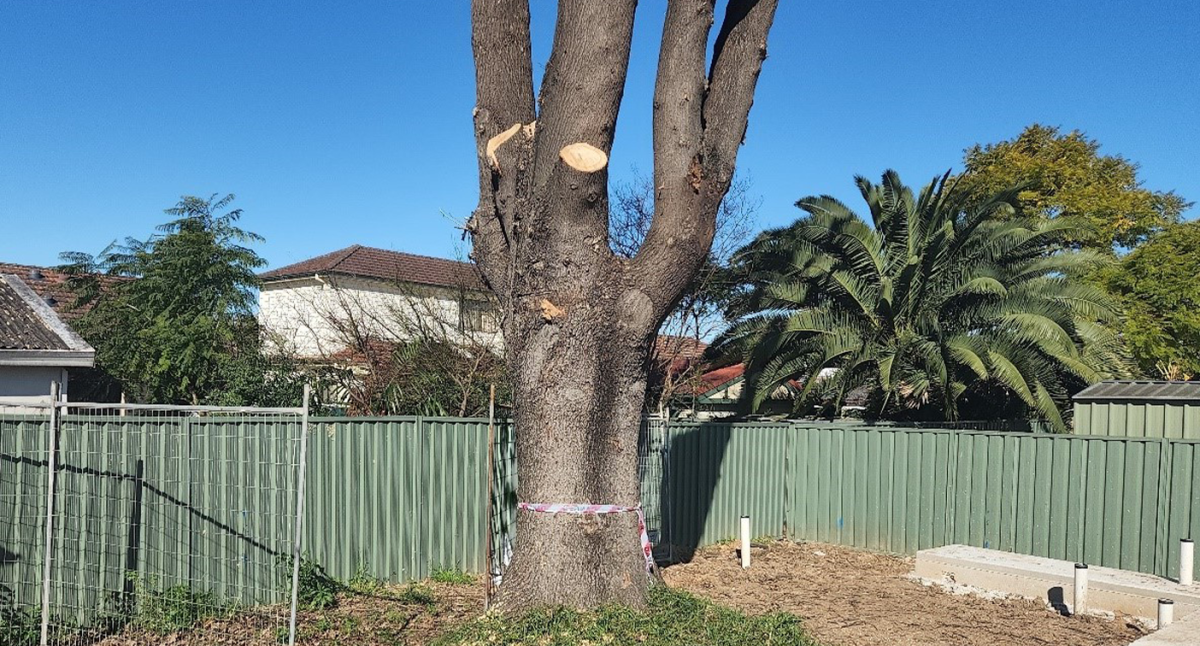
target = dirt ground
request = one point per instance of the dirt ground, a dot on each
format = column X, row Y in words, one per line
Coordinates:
column 384, row 617
column 846, row 597
column 856, row 598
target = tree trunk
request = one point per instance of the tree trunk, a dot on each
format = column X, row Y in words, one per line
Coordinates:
column 579, row 389
column 577, row 319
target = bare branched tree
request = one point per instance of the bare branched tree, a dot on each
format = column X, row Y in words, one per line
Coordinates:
column 401, row 350
column 578, row 318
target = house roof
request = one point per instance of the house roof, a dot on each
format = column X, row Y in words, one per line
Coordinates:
column 47, row 283
column 31, row 334
column 369, row 262
column 51, row 285
column 1141, row 391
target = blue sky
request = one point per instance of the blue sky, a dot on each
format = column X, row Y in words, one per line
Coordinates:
column 347, row 124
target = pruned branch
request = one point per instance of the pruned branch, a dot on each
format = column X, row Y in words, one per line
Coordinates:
column 504, row 98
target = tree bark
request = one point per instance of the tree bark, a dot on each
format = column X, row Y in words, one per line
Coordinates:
column 578, row 320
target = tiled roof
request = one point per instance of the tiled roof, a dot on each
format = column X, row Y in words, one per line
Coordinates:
column 47, row 283
column 51, row 285
column 20, row 326
column 32, row 334
column 370, row 262
column 1141, row 390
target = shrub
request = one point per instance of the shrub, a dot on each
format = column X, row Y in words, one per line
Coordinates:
column 20, row 626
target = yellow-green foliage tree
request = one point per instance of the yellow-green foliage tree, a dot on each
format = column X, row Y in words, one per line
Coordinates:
column 1065, row 175
column 1161, row 295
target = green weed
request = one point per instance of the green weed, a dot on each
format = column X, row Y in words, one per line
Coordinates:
column 316, row 590
column 20, row 626
column 172, row 609
column 453, row 576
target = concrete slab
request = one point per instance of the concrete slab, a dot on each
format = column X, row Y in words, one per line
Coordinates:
column 1184, row 632
column 1109, row 589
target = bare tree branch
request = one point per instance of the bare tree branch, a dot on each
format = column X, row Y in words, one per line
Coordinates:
column 691, row 177
column 738, row 56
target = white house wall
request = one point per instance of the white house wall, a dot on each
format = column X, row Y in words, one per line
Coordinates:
column 303, row 315
column 28, row 384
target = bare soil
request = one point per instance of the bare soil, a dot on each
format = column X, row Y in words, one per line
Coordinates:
column 851, row 597
column 380, row 618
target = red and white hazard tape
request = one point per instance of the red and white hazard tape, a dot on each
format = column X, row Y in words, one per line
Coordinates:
column 569, row 508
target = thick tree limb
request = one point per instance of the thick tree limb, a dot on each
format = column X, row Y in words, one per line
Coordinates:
column 580, row 99
column 504, row 97
column 697, row 133
column 738, row 55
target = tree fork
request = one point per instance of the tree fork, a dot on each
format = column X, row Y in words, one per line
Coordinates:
column 578, row 321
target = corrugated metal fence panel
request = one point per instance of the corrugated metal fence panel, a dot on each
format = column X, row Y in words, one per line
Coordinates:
column 395, row 498
column 1182, row 511
column 883, row 489
column 716, row 474
column 1096, row 499
column 178, row 501
column 22, row 507
column 1138, row 419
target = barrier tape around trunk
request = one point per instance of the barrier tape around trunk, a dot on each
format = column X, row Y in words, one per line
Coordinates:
column 583, row 509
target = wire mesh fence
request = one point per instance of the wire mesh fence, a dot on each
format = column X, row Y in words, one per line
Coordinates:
column 133, row 522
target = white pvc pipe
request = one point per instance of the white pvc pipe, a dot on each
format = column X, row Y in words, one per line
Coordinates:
column 745, row 541
column 1187, row 560
column 1081, row 583
column 1166, row 613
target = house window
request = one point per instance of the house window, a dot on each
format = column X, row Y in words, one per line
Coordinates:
column 477, row 316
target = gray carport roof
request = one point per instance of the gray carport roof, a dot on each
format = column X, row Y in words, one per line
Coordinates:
column 1178, row 391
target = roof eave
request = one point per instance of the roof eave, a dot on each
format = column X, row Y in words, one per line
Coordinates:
column 48, row 358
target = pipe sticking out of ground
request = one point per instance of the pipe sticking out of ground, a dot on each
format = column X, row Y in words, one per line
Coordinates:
column 1187, row 560
column 1081, row 581
column 1166, row 613
column 745, row 542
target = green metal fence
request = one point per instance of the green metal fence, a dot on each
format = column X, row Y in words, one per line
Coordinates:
column 397, row 497
column 1117, row 502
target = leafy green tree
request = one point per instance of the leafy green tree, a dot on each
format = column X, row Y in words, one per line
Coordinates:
column 172, row 317
column 1064, row 175
column 942, row 293
column 1161, row 295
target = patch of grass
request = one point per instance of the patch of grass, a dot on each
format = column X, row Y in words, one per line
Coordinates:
column 453, row 576
column 673, row 618
column 172, row 609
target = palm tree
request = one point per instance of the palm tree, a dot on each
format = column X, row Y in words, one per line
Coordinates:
column 936, row 297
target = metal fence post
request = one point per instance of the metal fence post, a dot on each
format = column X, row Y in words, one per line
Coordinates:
column 297, row 542
column 52, row 467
